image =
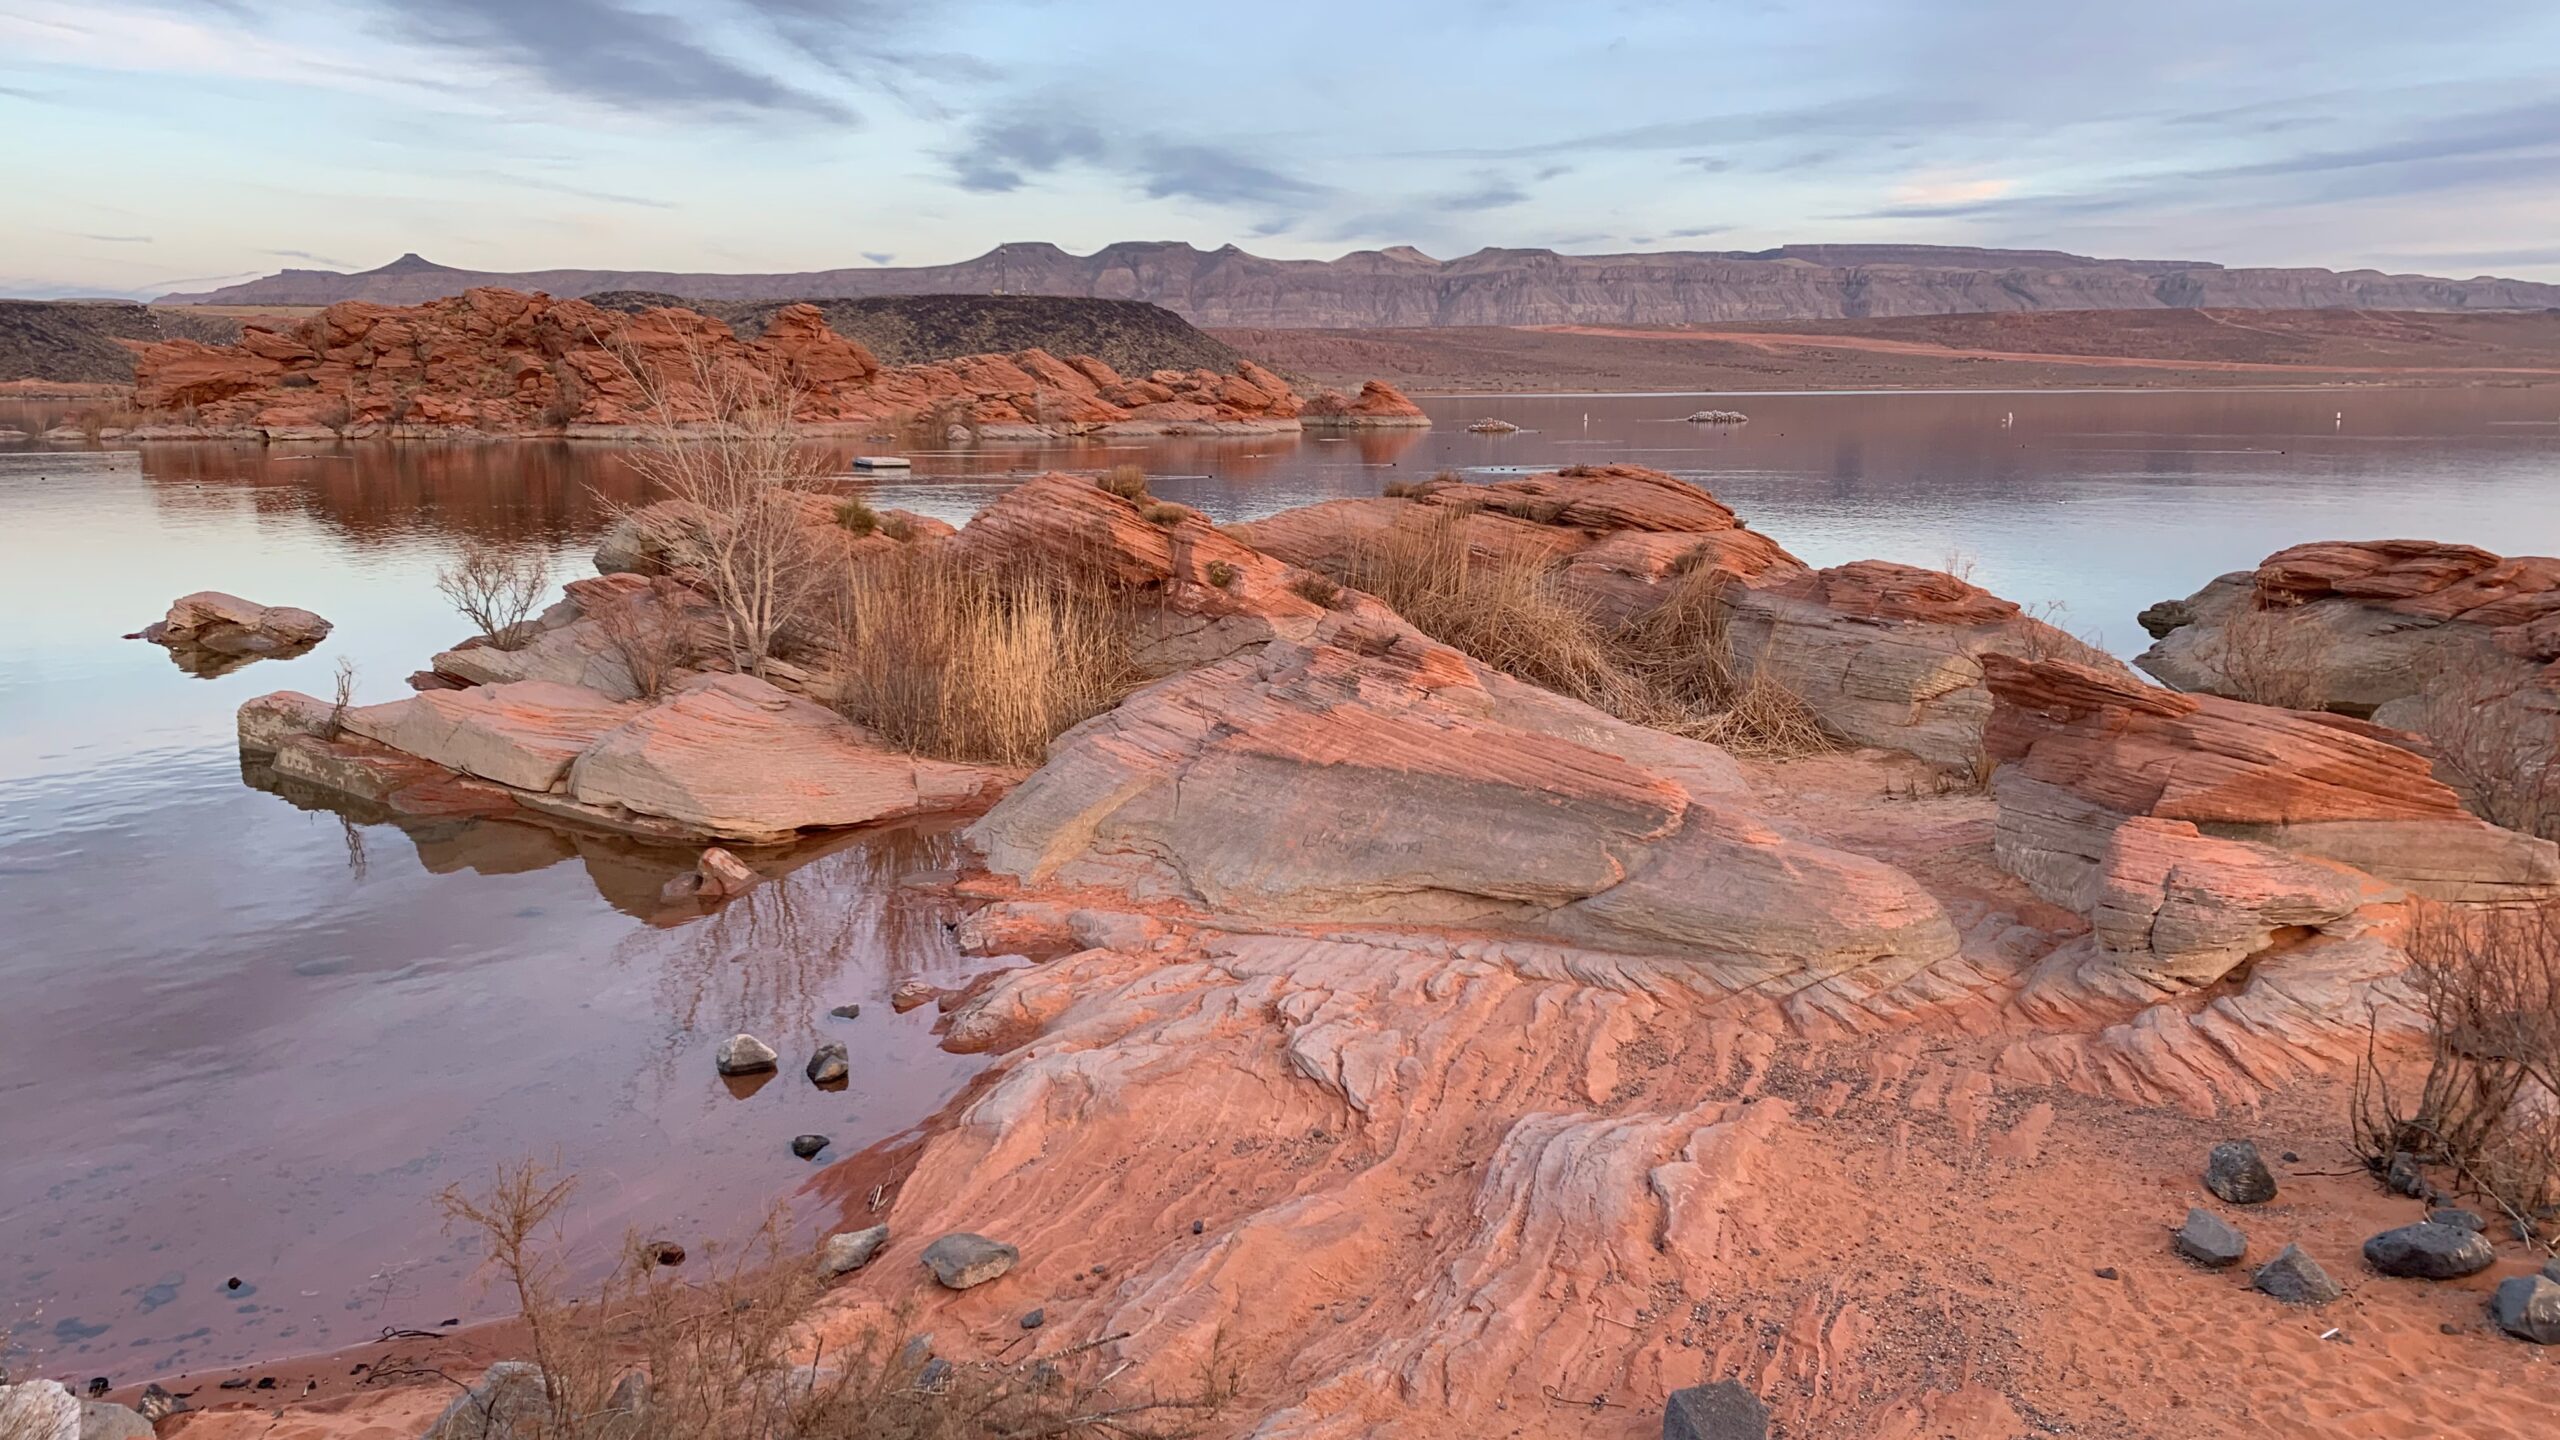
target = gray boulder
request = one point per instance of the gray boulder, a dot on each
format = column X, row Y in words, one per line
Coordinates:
column 1722, row 1411
column 2429, row 1251
column 832, row 1065
column 850, row 1250
column 2459, row 1219
column 102, row 1421
column 39, row 1410
column 2211, row 1241
column 2235, row 1174
column 2528, row 1307
column 961, row 1260
column 507, row 1404
column 745, row 1055
column 2296, row 1279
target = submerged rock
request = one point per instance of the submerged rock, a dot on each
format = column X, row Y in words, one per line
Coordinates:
column 2236, row 1174
column 2429, row 1251
column 2296, row 1279
column 850, row 1250
column 745, row 1055
column 963, row 1260
column 2211, row 1241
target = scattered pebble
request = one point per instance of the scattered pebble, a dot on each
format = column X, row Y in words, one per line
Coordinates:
column 2458, row 1219
column 1197, row 1227
column 1034, row 1319
column 2106, row 1272
column 807, row 1146
column 832, row 1065
column 847, row 1012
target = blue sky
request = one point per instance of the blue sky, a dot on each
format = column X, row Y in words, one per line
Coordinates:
column 159, row 144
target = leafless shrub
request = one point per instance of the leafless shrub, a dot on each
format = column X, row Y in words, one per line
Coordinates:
column 857, row 517
column 1126, row 481
column 2488, row 987
column 2268, row 655
column 713, row 1352
column 650, row 638
column 497, row 588
column 897, row 527
column 738, row 482
column 342, row 694
column 1165, row 515
column 1320, row 589
column 2495, row 747
column 946, row 659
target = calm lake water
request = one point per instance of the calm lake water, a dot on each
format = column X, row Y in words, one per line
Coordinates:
column 246, row 1036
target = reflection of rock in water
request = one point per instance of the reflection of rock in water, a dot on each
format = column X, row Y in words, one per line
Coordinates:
column 848, row 917
column 207, row 663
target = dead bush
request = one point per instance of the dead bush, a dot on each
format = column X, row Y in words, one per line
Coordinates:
column 342, row 694
column 1319, row 589
column 497, row 588
column 1126, row 481
column 737, row 479
column 2269, row 655
column 1165, row 516
column 2499, row 748
column 857, row 517
column 1221, row 574
column 942, row 658
column 2488, row 990
column 650, row 638
column 718, row 1351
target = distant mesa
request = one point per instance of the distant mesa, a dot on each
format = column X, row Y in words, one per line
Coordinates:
column 1402, row 286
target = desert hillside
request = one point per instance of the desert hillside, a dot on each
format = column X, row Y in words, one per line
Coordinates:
column 1402, row 286
column 1129, row 335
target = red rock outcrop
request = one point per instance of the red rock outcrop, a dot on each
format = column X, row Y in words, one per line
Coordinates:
column 507, row 362
column 1378, row 403
column 1882, row 654
column 2080, row 751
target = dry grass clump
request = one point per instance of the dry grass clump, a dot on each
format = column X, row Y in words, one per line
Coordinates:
column 857, row 517
column 2488, row 1108
column 1672, row 669
column 715, row 1352
column 1319, row 589
column 1165, row 515
column 1221, row 574
column 2269, row 656
column 496, row 588
column 947, row 659
column 1129, row 482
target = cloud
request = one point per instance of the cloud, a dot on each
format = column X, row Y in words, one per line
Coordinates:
column 116, row 239
column 879, row 257
column 1004, row 151
column 314, row 259
column 603, row 50
column 1490, row 192
column 1692, row 232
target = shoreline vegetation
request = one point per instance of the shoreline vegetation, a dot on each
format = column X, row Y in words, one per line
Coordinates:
column 1490, row 942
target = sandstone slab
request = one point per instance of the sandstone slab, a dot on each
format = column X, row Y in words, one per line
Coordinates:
column 525, row 734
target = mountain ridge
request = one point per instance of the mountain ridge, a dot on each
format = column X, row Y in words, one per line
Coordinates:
column 1401, row 286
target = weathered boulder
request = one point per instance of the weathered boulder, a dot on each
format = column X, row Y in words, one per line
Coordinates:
column 2296, row 1279
column 733, row 757
column 2081, row 750
column 2175, row 905
column 718, row 876
column 1377, row 404
column 100, row 1420
column 2235, row 1173
column 1392, row 779
column 2210, row 1241
column 2429, row 1251
column 831, row 1064
column 509, row 1402
column 1721, row 1411
column 849, row 1250
column 268, row 721
column 2528, row 1307
column 39, row 1410
column 744, row 1054
column 961, row 1260
column 524, row 735
column 221, row 624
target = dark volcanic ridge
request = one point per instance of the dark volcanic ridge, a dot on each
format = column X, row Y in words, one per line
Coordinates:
column 1402, row 287
column 93, row 342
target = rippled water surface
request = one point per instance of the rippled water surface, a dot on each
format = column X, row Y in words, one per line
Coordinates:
column 245, row 1035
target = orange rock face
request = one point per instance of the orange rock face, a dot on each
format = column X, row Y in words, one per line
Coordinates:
column 507, row 362
column 1378, row 403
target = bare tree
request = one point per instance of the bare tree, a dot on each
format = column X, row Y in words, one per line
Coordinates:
column 2495, row 745
column 737, row 481
column 497, row 588
column 2268, row 655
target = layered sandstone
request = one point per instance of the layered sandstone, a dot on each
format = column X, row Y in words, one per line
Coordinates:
column 2080, row 751
column 211, row 628
column 494, row 361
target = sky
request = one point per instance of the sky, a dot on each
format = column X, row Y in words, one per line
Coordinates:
column 154, row 145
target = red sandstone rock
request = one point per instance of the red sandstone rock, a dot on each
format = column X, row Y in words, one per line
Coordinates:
column 1378, row 403
column 507, row 362
column 2081, row 750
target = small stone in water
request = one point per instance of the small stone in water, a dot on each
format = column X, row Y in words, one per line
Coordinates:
column 847, row 1012
column 806, row 1146
column 745, row 1055
column 831, row 1065
column 665, row 1252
